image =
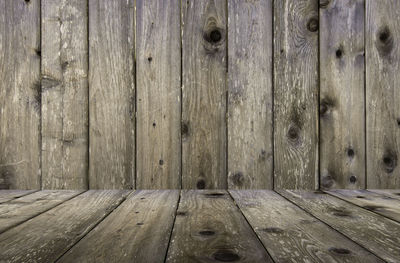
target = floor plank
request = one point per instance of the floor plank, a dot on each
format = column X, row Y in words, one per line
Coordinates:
column 372, row 231
column 19, row 210
column 7, row 195
column 292, row 235
column 394, row 193
column 47, row 236
column 375, row 202
column 210, row 228
column 125, row 235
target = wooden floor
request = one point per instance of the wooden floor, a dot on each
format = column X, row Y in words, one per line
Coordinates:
column 200, row 226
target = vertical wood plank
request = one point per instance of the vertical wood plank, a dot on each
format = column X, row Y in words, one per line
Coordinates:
column 342, row 104
column 20, row 97
column 296, row 94
column 250, row 153
column 158, row 69
column 383, row 93
column 111, row 94
column 204, row 94
column 64, row 94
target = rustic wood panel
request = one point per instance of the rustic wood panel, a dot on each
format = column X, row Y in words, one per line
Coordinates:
column 48, row 236
column 383, row 94
column 8, row 195
column 204, row 94
column 20, row 97
column 158, row 68
column 250, row 152
column 64, row 70
column 280, row 224
column 342, row 103
column 22, row 209
column 122, row 237
column 296, row 94
column 394, row 193
column 372, row 231
column 209, row 227
column 111, row 94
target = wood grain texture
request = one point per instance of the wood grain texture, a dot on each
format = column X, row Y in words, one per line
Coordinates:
column 137, row 231
column 382, row 93
column 48, row 236
column 292, row 235
column 210, row 228
column 20, row 97
column 158, row 70
column 64, row 69
column 372, row 231
column 342, row 103
column 296, row 94
column 378, row 203
column 24, row 208
column 250, row 152
column 8, row 195
column 111, row 94
column 204, row 94
column 394, row 193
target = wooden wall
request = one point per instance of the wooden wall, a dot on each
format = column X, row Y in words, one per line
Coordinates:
column 199, row 94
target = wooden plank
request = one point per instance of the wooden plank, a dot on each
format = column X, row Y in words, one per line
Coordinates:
column 122, row 237
column 372, row 231
column 7, row 195
column 394, row 193
column 48, row 236
column 158, row 69
column 20, row 97
column 204, row 94
column 296, row 94
column 64, row 71
column 111, row 94
column 250, row 152
column 210, row 228
column 22, row 209
column 342, row 100
column 378, row 203
column 292, row 235
column 382, row 94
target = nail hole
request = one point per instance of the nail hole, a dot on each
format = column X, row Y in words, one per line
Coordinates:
column 215, row 36
column 161, row 162
column 352, row 179
column 312, row 25
column 154, row 124
column 149, row 59
column 350, row 152
column 201, row 184
column 339, row 53
column 139, row 224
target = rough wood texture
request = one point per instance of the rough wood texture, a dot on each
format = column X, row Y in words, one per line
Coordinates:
column 8, row 195
column 372, row 231
column 122, row 237
column 48, row 236
column 342, row 104
column 394, row 193
column 280, row 224
column 20, row 97
column 210, row 228
column 158, row 68
column 204, row 94
column 250, row 152
column 296, row 94
column 111, row 94
column 378, row 203
column 64, row 94
column 383, row 93
column 22, row 209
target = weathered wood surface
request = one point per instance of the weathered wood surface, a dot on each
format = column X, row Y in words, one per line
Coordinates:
column 24, row 208
column 64, row 69
column 8, row 195
column 383, row 93
column 372, row 231
column 137, row 231
column 20, row 97
column 204, row 94
column 250, row 152
column 111, row 94
column 296, row 94
column 210, row 228
column 281, row 224
column 48, row 236
column 342, row 100
column 158, row 74
column 394, row 193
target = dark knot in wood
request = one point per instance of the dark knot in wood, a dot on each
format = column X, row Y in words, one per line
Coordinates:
column 312, row 24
